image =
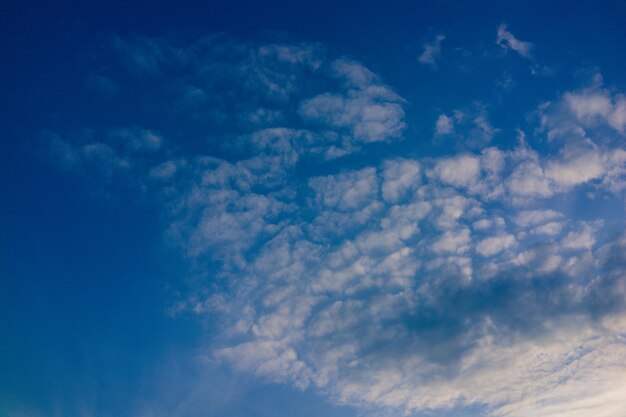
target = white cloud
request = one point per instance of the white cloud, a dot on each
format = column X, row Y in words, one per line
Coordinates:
column 528, row 218
column 268, row 359
column 399, row 177
column 596, row 104
column 459, row 171
column 583, row 239
column 369, row 111
column 588, row 107
column 551, row 229
column 507, row 41
column 453, row 241
column 617, row 118
column 590, row 104
column 488, row 224
column 469, row 127
column 528, row 178
column 587, row 125
column 355, row 74
column 372, row 283
column 495, row 244
column 431, row 52
column 444, row 125
column 346, row 191
column 576, row 168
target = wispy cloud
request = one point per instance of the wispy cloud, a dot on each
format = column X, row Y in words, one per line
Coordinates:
column 507, row 41
column 469, row 127
column 369, row 111
column 432, row 51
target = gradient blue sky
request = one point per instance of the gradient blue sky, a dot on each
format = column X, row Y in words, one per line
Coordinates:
column 313, row 209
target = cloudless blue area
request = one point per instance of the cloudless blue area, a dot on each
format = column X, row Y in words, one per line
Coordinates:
column 86, row 278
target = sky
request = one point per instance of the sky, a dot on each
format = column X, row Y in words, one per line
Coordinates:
column 287, row 208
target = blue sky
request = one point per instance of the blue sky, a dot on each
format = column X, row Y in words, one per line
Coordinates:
column 313, row 209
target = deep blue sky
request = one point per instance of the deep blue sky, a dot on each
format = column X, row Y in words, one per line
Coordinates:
column 124, row 290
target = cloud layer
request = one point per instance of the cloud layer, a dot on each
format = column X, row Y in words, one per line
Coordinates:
column 394, row 282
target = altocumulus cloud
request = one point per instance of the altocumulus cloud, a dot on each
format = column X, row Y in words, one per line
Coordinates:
column 400, row 283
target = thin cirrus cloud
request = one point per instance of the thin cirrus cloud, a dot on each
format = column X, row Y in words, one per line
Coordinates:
column 408, row 283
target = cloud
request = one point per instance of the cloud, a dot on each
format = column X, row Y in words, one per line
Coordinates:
column 594, row 105
column 526, row 218
column 390, row 280
column 459, row 171
column 469, row 127
column 106, row 153
column 587, row 124
column 346, row 191
column 453, row 241
column 589, row 107
column 583, row 239
column 431, row 52
column 552, row 228
column 493, row 245
column 219, row 83
column 506, row 40
column 399, row 177
column 444, row 125
column 528, row 178
column 368, row 112
column 576, row 168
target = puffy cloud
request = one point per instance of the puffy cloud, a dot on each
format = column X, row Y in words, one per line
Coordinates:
column 577, row 111
column 399, row 177
column 526, row 218
column 444, row 125
column 476, row 341
column 617, row 117
column 493, row 245
column 583, row 239
column 453, row 241
column 596, row 104
column 551, row 228
column 587, row 123
column 488, row 224
column 347, row 191
column 576, row 169
column 458, row 171
column 528, row 178
column 368, row 112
